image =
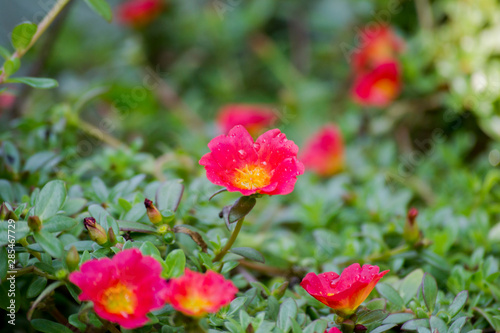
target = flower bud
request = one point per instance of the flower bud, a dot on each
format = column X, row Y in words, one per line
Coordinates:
column 4, row 211
column 411, row 233
column 72, row 259
column 153, row 213
column 280, row 291
column 34, row 223
column 112, row 237
column 96, row 231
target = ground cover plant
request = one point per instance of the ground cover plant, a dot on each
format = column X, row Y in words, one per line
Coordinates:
column 250, row 166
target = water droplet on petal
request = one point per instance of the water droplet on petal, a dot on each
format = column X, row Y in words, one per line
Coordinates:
column 256, row 146
column 242, row 154
column 264, row 163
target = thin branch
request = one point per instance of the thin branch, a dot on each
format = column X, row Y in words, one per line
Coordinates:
column 42, row 26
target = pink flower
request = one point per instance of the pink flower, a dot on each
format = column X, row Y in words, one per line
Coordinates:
column 333, row 330
column 268, row 166
column 139, row 13
column 376, row 48
column 255, row 118
column 7, row 100
column 196, row 294
column 378, row 87
column 123, row 289
column 346, row 292
column 324, row 151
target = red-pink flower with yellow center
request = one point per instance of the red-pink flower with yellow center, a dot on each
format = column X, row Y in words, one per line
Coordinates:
column 376, row 47
column 268, row 166
column 123, row 289
column 196, row 294
column 343, row 293
column 378, row 87
column 324, row 151
column 139, row 13
column 255, row 118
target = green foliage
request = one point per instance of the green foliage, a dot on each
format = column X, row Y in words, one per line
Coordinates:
column 131, row 121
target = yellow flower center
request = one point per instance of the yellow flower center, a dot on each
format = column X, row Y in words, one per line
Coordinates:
column 119, row 300
column 196, row 304
column 251, row 177
column 385, row 87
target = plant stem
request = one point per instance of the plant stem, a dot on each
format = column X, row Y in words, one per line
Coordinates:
column 25, row 243
column 42, row 26
column 230, row 242
column 99, row 134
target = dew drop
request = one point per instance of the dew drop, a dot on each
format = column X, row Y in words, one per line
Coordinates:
column 264, row 163
column 242, row 154
column 334, row 282
column 256, row 146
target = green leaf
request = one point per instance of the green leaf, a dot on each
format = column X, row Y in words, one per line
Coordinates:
column 318, row 325
column 148, row 249
column 59, row 223
column 438, row 325
column 6, row 191
column 383, row 328
column 49, row 243
column 414, row 324
column 236, row 304
column 429, row 291
column 176, row 262
column 390, row 294
column 398, row 318
column 458, row 303
column 21, row 230
column 249, row 253
column 410, row 285
column 376, row 304
column 4, row 53
column 35, row 82
column 11, row 66
column 47, row 326
column 36, row 287
column 371, row 317
column 102, row 8
column 11, row 156
column 169, row 195
column 38, row 161
column 100, row 189
column 136, row 226
column 288, row 310
column 22, row 35
column 457, row 325
column 241, row 207
column 50, row 199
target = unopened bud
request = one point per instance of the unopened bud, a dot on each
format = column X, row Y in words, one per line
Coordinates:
column 34, row 223
column 411, row 233
column 153, row 213
column 96, row 231
column 4, row 211
column 12, row 216
column 111, row 237
column 280, row 291
column 72, row 259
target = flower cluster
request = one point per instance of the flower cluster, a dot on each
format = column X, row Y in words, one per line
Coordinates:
column 255, row 118
column 343, row 293
column 268, row 165
column 324, row 151
column 376, row 68
column 127, row 287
